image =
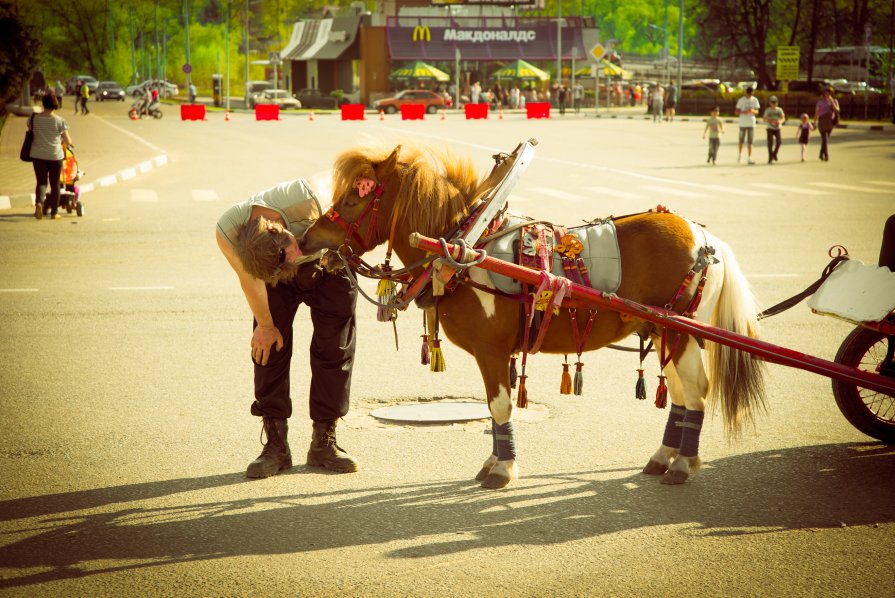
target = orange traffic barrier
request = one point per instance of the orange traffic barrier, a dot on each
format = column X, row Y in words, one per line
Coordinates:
column 476, row 111
column 353, row 112
column 267, row 112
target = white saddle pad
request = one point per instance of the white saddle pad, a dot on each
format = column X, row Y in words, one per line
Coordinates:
column 600, row 255
column 856, row 291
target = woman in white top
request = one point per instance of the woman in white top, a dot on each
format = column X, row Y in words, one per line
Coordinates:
column 50, row 133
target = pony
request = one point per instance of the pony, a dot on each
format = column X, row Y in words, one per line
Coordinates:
column 383, row 195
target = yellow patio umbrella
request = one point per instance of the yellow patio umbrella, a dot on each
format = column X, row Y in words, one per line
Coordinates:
column 520, row 69
column 419, row 70
column 607, row 69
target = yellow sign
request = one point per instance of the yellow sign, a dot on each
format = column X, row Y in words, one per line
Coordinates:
column 787, row 63
column 422, row 33
column 598, row 51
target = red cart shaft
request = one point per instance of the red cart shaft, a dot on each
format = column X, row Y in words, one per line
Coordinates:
column 663, row 317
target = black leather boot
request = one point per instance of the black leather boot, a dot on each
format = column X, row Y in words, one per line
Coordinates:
column 324, row 451
column 276, row 455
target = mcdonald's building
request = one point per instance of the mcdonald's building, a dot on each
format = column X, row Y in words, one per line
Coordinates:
column 357, row 53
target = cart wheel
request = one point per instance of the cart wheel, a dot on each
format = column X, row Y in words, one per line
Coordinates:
column 79, row 209
column 68, row 208
column 871, row 412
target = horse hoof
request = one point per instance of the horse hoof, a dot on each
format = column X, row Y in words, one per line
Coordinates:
column 654, row 468
column 482, row 474
column 675, row 477
column 494, row 482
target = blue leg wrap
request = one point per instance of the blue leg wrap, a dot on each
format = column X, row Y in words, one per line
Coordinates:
column 505, row 441
column 692, row 426
column 673, row 430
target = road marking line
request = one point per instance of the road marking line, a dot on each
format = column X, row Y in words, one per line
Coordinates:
column 842, row 187
column 519, row 198
column 128, row 133
column 613, row 192
column 18, row 290
column 161, row 160
column 670, row 191
column 144, row 167
column 734, row 192
column 87, row 188
column 790, row 189
column 886, row 183
column 127, row 174
column 557, row 193
column 205, row 195
column 144, row 195
column 5, row 203
column 159, row 288
column 107, row 181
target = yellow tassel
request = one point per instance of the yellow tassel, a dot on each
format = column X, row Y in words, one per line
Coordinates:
column 565, row 387
column 522, row 398
column 385, row 291
column 437, row 358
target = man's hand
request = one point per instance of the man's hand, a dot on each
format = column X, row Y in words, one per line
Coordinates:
column 263, row 339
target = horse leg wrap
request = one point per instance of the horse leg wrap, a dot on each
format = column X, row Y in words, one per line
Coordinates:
column 673, row 430
column 691, row 428
column 504, row 441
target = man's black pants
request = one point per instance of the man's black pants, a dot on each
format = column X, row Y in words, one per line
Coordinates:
column 331, row 299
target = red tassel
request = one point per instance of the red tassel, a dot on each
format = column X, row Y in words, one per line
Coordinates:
column 424, row 352
column 661, row 393
column 522, row 398
column 565, row 385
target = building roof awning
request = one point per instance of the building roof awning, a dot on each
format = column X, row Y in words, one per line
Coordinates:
column 323, row 39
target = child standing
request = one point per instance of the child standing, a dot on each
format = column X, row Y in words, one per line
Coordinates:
column 715, row 128
column 802, row 131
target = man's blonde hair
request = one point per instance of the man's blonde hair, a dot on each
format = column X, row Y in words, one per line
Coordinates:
column 260, row 244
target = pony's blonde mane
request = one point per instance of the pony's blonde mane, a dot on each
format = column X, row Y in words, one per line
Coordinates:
column 436, row 184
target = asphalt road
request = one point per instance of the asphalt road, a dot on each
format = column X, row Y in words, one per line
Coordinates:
column 126, row 384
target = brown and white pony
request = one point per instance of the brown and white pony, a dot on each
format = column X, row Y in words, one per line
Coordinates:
column 384, row 195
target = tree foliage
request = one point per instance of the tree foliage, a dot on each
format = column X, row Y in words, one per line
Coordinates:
column 19, row 47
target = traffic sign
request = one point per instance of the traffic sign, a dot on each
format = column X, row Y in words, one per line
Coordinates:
column 187, row 68
column 787, row 63
column 598, row 51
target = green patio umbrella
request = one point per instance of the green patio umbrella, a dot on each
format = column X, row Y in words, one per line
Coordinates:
column 419, row 70
column 520, row 69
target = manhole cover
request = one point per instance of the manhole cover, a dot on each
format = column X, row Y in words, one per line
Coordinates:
column 433, row 413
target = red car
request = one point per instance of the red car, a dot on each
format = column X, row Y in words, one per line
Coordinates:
column 432, row 100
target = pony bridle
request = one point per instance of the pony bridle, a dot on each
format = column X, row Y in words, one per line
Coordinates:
column 369, row 216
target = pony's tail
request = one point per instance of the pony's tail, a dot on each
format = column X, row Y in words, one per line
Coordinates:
column 736, row 378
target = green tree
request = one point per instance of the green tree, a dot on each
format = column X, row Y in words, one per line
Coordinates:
column 19, row 47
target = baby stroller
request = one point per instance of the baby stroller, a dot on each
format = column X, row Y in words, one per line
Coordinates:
column 69, row 192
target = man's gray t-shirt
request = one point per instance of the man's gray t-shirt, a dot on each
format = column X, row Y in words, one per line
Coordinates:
column 294, row 201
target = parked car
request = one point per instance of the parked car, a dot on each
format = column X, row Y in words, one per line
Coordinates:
column 109, row 90
column 71, row 86
column 430, row 99
column 280, row 97
column 813, row 86
column 166, row 88
column 314, row 98
column 254, row 89
column 852, row 87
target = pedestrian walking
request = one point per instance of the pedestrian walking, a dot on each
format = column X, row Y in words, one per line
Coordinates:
column 258, row 237
column 192, row 93
column 774, row 117
column 60, row 91
column 826, row 116
column 84, row 96
column 657, row 100
column 747, row 108
column 577, row 96
column 50, row 135
column 670, row 102
column 802, row 132
column 715, row 128
column 561, row 95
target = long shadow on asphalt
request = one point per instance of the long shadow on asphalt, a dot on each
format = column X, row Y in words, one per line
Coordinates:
column 799, row 488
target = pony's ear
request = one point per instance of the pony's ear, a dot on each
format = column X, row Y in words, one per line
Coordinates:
column 387, row 166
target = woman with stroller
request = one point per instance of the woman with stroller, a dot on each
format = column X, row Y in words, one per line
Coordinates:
column 50, row 134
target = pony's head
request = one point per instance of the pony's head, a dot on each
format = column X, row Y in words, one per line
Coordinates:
column 378, row 193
